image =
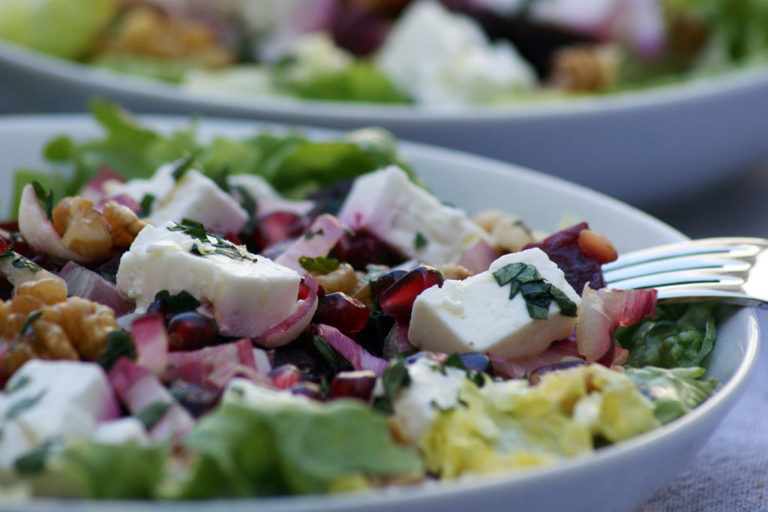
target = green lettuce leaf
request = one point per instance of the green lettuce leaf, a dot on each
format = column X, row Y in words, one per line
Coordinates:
column 64, row 28
column 673, row 392
column 291, row 448
column 360, row 81
column 293, row 164
column 680, row 335
column 108, row 471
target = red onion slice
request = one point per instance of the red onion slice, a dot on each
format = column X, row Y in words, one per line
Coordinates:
column 602, row 311
column 151, row 341
column 138, row 389
column 38, row 230
column 318, row 241
column 291, row 327
column 360, row 358
column 523, row 366
column 85, row 283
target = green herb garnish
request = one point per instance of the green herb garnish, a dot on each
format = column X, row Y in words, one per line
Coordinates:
column 192, row 229
column 45, row 197
column 146, row 204
column 179, row 303
column 419, row 242
column 180, row 167
column 27, row 326
column 22, row 405
column 394, row 378
column 538, row 293
column 320, row 265
column 119, row 344
column 153, row 413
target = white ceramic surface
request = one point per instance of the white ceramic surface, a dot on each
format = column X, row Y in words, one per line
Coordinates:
column 644, row 147
column 617, row 478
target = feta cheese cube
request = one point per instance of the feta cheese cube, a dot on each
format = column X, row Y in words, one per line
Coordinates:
column 248, row 293
column 249, row 394
column 442, row 58
column 409, row 218
column 477, row 315
column 430, row 387
column 267, row 199
column 49, row 401
column 193, row 196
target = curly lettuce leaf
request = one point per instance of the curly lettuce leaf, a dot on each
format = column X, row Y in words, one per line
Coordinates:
column 673, row 392
column 681, row 335
column 291, row 449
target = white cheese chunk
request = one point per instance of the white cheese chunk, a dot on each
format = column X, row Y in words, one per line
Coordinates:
column 409, row 218
column 194, row 196
column 248, row 393
column 123, row 430
column 267, row 199
column 430, row 387
column 477, row 315
column 52, row 401
column 443, row 58
column 248, row 293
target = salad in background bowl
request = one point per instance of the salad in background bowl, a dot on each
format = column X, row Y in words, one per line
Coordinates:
column 684, row 114
column 215, row 392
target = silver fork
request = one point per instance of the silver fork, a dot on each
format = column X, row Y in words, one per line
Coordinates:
column 732, row 270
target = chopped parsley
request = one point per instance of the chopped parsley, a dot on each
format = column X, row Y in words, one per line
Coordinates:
column 34, row 460
column 329, row 354
column 538, row 293
column 153, row 413
column 17, row 384
column 45, row 197
column 249, row 204
column 179, row 303
column 22, row 405
column 420, row 242
column 320, row 265
column 394, row 378
column 26, row 328
column 455, row 361
column 24, row 263
column 180, row 167
column 146, row 204
column 119, row 344
column 309, row 235
column 214, row 244
column 192, row 229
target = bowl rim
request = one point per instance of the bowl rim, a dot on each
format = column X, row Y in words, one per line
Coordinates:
column 688, row 91
column 711, row 408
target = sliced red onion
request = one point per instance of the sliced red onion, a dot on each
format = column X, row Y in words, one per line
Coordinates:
column 396, row 342
column 360, row 358
column 151, row 341
column 603, row 311
column 82, row 282
column 291, row 327
column 94, row 188
column 523, row 366
column 138, row 389
column 38, row 230
column 479, row 257
column 215, row 365
column 318, row 241
column 647, row 31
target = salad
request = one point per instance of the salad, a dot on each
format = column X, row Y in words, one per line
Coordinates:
column 276, row 315
column 449, row 52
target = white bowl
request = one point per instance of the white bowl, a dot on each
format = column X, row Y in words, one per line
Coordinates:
column 644, row 147
column 619, row 477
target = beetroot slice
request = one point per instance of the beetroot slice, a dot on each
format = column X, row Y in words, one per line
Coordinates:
column 563, row 249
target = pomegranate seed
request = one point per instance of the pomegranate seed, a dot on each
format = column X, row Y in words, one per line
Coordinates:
column 358, row 385
column 195, row 398
column 276, row 227
column 285, row 376
column 308, row 389
column 397, row 300
column 303, row 289
column 361, row 248
column 535, row 376
column 386, row 280
column 343, row 312
column 190, row 331
column 372, row 337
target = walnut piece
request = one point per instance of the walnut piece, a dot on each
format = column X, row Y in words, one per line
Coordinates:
column 82, row 228
column 41, row 322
